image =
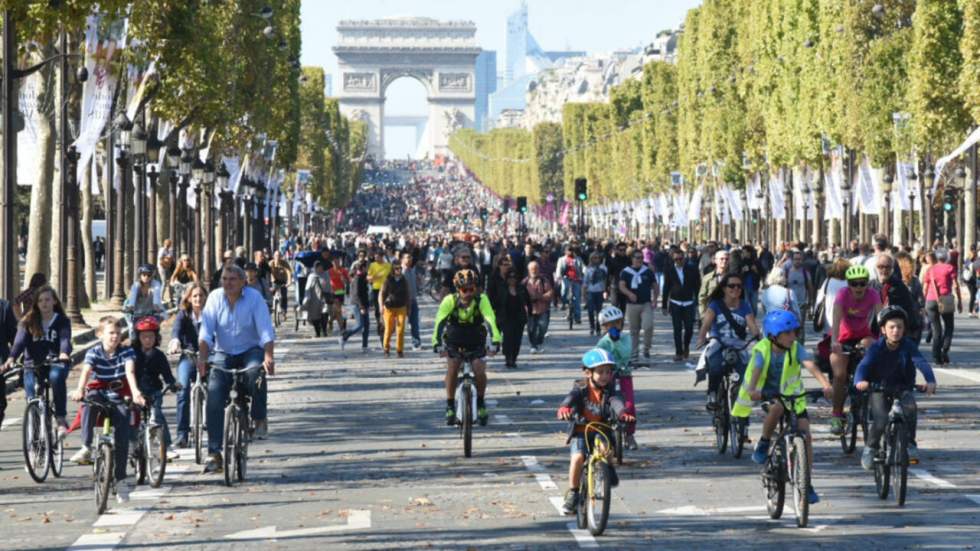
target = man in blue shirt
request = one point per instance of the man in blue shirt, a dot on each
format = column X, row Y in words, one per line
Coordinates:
column 236, row 325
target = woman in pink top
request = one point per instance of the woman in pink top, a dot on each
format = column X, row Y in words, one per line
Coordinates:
column 940, row 281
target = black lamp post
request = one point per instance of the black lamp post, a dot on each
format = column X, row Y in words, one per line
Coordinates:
column 173, row 161
column 71, row 211
column 260, row 237
column 221, row 179
column 208, row 206
column 928, row 177
column 197, row 179
column 124, row 129
column 153, row 146
column 138, row 151
column 183, row 220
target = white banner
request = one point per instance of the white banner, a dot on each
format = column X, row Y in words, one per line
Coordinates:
column 28, row 148
column 833, row 192
column 753, row 193
column 777, row 203
column 867, row 192
column 973, row 138
column 100, row 50
column 694, row 207
column 734, row 200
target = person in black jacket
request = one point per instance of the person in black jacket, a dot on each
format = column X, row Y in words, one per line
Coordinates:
column 152, row 367
column 893, row 291
column 682, row 281
column 184, row 341
column 513, row 309
column 8, row 329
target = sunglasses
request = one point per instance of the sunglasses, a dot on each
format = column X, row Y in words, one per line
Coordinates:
column 734, row 286
column 862, row 283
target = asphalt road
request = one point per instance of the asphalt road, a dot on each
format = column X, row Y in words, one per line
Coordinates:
column 358, row 457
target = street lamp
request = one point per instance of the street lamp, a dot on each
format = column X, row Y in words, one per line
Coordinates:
column 928, row 177
column 886, row 190
column 184, row 169
column 138, row 150
column 912, row 177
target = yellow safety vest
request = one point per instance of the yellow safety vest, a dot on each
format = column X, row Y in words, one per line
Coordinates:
column 790, row 382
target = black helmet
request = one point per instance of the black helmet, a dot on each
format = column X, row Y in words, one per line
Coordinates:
column 146, row 269
column 892, row 312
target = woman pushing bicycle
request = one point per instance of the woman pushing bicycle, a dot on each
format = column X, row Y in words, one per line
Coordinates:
column 774, row 369
column 891, row 362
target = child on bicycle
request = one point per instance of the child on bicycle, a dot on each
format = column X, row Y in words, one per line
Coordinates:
column 594, row 399
column 114, row 368
column 891, row 361
column 153, row 370
column 619, row 345
column 774, row 369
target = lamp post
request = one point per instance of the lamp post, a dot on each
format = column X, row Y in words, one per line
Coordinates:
column 886, row 190
column 248, row 235
column 197, row 179
column 183, row 222
column 928, row 177
column 259, row 240
column 845, row 189
column 173, row 161
column 956, row 220
column 72, row 309
column 138, row 151
column 124, row 128
column 153, row 146
column 221, row 189
column 208, row 206
column 913, row 177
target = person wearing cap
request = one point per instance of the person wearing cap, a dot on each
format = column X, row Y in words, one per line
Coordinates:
column 145, row 296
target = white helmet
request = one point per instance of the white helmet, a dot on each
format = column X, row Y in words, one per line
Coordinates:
column 610, row 314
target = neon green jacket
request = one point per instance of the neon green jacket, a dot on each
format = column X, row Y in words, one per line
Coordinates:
column 465, row 316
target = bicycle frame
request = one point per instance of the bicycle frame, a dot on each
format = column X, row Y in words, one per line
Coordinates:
column 466, row 378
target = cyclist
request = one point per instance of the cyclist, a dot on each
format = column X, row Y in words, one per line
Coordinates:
column 619, row 345
column 282, row 278
column 854, row 310
column 460, row 325
column 594, row 398
column 145, row 297
column 774, row 368
column 184, row 337
column 45, row 332
column 892, row 361
column 151, row 367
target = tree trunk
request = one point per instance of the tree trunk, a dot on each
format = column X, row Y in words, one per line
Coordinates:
column 40, row 228
column 58, row 258
column 86, row 217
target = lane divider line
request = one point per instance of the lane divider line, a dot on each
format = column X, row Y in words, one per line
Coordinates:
column 582, row 537
column 958, row 373
column 975, row 498
column 926, row 476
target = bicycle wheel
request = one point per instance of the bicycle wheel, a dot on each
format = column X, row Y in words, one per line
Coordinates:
column 102, row 473
column 35, row 443
column 900, row 463
column 736, row 427
column 799, row 465
column 156, row 453
column 230, row 444
column 138, row 455
column 197, row 422
column 581, row 515
column 773, row 482
column 882, row 468
column 600, row 494
column 467, row 421
column 720, row 420
column 56, row 449
column 241, row 455
column 620, row 434
column 276, row 315
column 848, row 437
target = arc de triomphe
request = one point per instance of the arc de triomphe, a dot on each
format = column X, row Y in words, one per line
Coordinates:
column 441, row 55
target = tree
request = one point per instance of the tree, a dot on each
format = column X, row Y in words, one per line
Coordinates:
column 313, row 133
column 969, row 79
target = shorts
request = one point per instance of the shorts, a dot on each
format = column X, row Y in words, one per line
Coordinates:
column 577, row 444
column 465, row 353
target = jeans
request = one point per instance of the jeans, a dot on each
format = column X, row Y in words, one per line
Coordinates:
column 594, row 306
column 942, row 330
column 394, row 319
column 219, row 385
column 186, row 375
column 879, row 408
column 57, row 376
column 640, row 318
column 537, row 326
column 413, row 321
column 157, row 417
column 683, row 321
column 120, row 424
column 572, row 295
column 377, row 314
column 716, row 365
column 363, row 325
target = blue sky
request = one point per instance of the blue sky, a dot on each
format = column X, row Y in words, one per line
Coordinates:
column 591, row 25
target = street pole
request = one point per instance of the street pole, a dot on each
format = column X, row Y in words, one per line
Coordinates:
column 112, row 230
column 152, row 175
column 119, row 289
column 9, row 266
column 60, row 210
column 72, row 309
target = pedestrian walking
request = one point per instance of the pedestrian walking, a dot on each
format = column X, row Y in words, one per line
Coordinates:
column 596, row 279
column 411, row 277
column 512, row 317
column 315, row 300
column 943, row 300
column 360, row 300
column 540, row 293
column 377, row 274
column 394, row 299
column 681, row 283
column 636, row 283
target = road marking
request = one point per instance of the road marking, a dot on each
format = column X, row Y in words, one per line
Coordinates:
column 124, row 517
column 11, row 421
column 973, row 497
column 930, row 478
column 958, row 373
column 97, row 542
column 582, row 537
column 694, row 510
column 545, row 482
column 492, row 403
column 503, row 419
column 357, row 519
column 537, row 402
column 532, row 464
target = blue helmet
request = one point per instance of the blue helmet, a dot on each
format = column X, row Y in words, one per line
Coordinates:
column 596, row 357
column 779, row 321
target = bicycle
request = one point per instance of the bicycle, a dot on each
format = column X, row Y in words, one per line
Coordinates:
column 466, row 409
column 148, row 455
column 103, row 458
column 278, row 316
column 856, row 403
column 238, row 428
column 199, row 396
column 787, row 461
column 595, row 486
column 893, row 454
column 44, row 450
column 730, row 433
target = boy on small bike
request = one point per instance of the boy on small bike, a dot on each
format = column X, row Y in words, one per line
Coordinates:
column 891, row 361
column 774, row 369
column 619, row 345
column 153, row 370
column 594, row 399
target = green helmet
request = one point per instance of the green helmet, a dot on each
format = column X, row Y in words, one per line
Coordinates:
column 857, row 272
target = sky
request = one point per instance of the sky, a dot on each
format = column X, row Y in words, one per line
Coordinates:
column 595, row 26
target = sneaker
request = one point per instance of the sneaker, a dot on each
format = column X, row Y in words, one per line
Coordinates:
column 761, row 452
column 261, row 428
column 571, row 502
column 913, row 453
column 482, row 415
column 811, row 496
column 122, row 491
column 82, row 457
column 401, row 354
column 172, row 454
column 631, row 443
column 450, row 416
column 837, row 425
column 711, row 404
column 868, row 458
column 214, row 464
column 62, row 427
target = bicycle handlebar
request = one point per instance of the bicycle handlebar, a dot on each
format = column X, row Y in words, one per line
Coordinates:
column 235, row 371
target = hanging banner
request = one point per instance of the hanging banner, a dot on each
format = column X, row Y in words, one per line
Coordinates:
column 833, row 192
column 102, row 51
column 753, row 195
column 777, row 202
column 28, row 139
column 972, row 139
column 798, row 196
column 734, row 203
column 694, row 206
column 867, row 189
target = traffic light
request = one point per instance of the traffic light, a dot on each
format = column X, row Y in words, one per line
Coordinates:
column 522, row 204
column 949, row 200
column 581, row 189
column 504, row 205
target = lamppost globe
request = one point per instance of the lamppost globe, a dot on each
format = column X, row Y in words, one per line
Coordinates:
column 186, row 160
column 138, row 141
column 197, row 169
column 209, row 172
column 125, row 127
column 222, row 176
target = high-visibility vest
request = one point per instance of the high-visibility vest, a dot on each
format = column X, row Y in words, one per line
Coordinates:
column 790, row 382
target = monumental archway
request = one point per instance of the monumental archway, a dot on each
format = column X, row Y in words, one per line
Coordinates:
column 441, row 55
